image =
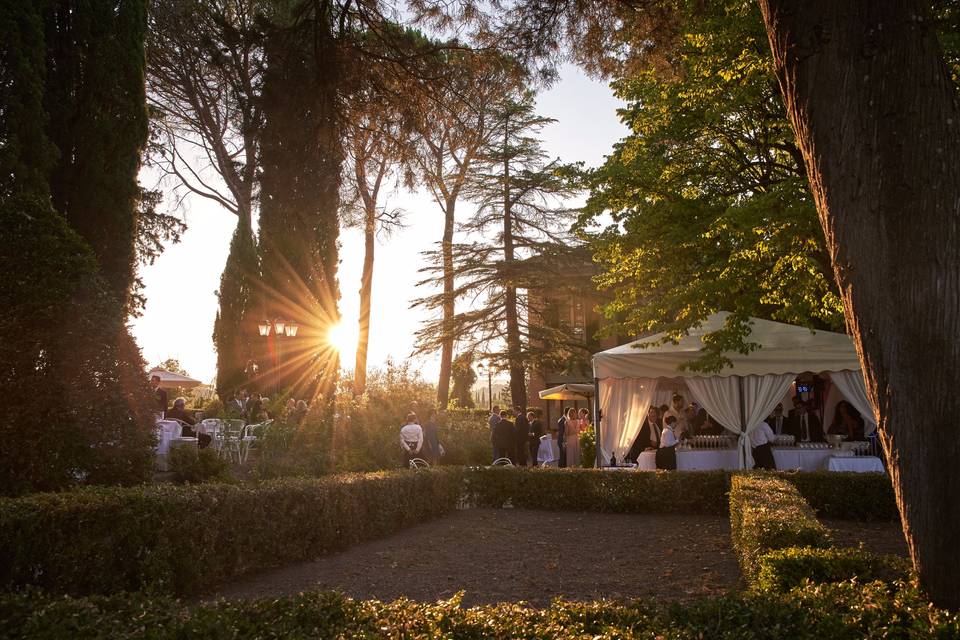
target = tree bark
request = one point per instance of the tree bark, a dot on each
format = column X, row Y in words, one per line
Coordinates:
column 876, row 115
column 446, row 350
column 518, row 387
column 366, row 293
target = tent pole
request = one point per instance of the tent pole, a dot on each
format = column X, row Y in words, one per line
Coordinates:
column 596, row 421
column 741, row 455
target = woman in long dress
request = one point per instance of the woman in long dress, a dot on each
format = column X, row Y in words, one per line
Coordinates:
column 571, row 438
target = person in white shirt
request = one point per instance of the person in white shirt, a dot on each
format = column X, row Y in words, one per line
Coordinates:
column 411, row 438
column 667, row 453
column 678, row 412
column 761, row 440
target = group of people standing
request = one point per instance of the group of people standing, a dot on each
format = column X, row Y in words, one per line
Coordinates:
column 422, row 440
column 515, row 435
column 665, row 426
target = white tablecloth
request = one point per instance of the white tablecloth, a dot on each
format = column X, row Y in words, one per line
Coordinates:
column 859, row 464
column 707, row 459
column 549, row 450
column 167, row 430
column 802, row 459
column 647, row 460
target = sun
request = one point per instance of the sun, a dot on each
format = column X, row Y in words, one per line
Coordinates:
column 343, row 337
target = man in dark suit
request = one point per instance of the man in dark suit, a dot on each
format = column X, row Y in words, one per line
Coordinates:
column 504, row 437
column 561, row 433
column 534, row 434
column 649, row 436
column 159, row 394
column 521, row 436
column 777, row 421
column 804, row 425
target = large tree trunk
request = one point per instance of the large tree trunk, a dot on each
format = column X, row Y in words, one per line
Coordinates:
column 446, row 350
column 518, row 386
column 876, row 114
column 366, row 292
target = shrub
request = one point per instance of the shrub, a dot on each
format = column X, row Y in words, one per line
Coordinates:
column 850, row 496
column 588, row 449
column 785, row 569
column 179, row 539
column 768, row 513
column 596, row 490
column 190, row 465
column 827, row 612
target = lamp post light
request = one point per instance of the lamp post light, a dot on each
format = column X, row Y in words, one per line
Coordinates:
column 279, row 329
column 488, row 369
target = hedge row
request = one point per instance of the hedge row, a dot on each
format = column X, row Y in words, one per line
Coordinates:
column 180, row 539
column 597, row 490
column 781, row 545
column 768, row 513
column 849, row 496
column 825, row 612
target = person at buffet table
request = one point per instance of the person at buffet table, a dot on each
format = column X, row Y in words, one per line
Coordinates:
column 179, row 412
column 762, row 439
column 667, row 452
column 847, row 421
column 648, row 438
column 804, row 425
column 777, row 420
column 159, row 394
column 710, row 427
column 699, row 417
column 690, row 419
column 678, row 412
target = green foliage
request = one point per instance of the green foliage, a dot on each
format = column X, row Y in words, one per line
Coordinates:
column 596, row 490
column 192, row 466
column 95, row 99
column 463, row 378
column 300, row 166
column 180, row 539
column 850, row 496
column 588, row 449
column 784, row 569
column 77, row 406
column 829, row 612
column 708, row 195
column 232, row 330
column 768, row 513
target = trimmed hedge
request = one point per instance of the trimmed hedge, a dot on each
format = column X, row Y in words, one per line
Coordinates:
column 788, row 568
column 768, row 513
column 827, row 612
column 597, row 490
column 180, row 539
column 848, row 496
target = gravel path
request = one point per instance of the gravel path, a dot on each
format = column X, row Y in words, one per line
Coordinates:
column 878, row 537
column 498, row 555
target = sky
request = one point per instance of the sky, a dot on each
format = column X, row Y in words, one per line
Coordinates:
column 180, row 287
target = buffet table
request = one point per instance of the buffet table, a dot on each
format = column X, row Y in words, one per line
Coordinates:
column 786, row 458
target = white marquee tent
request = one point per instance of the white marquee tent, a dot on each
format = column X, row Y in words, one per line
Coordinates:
column 740, row 397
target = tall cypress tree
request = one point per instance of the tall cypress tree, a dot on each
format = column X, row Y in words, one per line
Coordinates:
column 63, row 334
column 301, row 157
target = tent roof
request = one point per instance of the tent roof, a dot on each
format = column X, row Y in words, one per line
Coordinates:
column 171, row 380
column 568, row 391
column 784, row 348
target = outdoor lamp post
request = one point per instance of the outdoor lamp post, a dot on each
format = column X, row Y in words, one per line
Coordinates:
column 280, row 329
column 489, row 371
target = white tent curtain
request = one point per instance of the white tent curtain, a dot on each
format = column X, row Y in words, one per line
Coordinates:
column 853, row 388
column 624, row 403
column 721, row 398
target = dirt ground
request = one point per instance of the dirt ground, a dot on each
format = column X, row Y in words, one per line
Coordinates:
column 878, row 537
column 512, row 555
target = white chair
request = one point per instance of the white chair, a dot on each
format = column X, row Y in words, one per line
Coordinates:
column 419, row 463
column 251, row 434
column 213, row 427
column 232, row 440
column 502, row 462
